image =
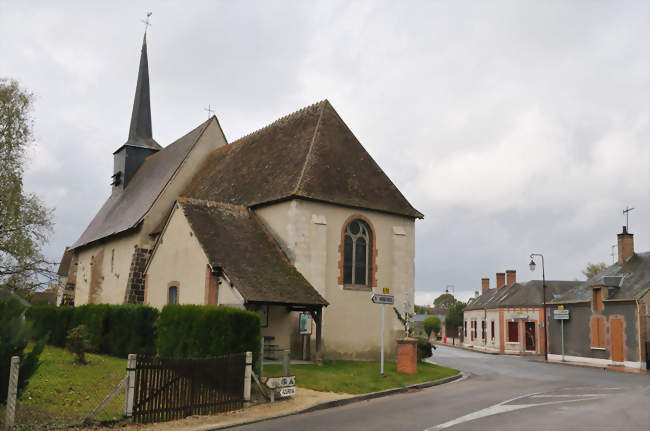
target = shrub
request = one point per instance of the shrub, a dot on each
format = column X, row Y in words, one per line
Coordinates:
column 424, row 349
column 50, row 321
column 15, row 333
column 92, row 316
column 78, row 342
column 432, row 324
column 194, row 331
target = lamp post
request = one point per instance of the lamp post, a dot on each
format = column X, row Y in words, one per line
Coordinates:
column 532, row 268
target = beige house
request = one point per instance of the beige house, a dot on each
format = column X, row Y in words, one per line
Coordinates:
column 295, row 221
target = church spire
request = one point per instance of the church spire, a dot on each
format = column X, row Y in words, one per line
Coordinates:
column 140, row 130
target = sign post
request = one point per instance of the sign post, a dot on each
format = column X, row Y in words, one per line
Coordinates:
column 383, row 299
column 561, row 314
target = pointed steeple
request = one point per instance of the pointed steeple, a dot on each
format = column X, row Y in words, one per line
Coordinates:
column 140, row 130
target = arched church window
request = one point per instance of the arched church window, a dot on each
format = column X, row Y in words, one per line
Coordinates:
column 357, row 258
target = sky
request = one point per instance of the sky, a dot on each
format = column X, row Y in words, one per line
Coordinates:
column 514, row 126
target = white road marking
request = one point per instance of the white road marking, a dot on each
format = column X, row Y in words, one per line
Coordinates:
column 504, row 407
column 567, row 396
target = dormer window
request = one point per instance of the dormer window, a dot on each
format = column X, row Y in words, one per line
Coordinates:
column 597, row 298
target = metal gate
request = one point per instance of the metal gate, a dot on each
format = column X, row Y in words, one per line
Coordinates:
column 169, row 389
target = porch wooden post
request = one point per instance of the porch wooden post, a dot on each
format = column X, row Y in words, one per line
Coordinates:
column 318, row 314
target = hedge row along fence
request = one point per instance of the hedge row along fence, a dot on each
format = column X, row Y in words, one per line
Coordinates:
column 179, row 331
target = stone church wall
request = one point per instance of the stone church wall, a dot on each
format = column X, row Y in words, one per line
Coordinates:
column 310, row 234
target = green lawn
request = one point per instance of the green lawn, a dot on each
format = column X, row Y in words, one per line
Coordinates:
column 358, row 377
column 62, row 392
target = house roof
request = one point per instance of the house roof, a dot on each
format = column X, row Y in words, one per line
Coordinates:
column 309, row 154
column 421, row 317
column 234, row 239
column 635, row 283
column 123, row 211
column 66, row 259
column 528, row 294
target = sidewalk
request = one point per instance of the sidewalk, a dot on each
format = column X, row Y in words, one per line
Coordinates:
column 602, row 367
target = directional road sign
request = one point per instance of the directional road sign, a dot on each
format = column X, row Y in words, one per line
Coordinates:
column 561, row 314
column 379, row 298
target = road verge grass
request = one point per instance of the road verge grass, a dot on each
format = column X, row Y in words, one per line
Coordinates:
column 358, row 377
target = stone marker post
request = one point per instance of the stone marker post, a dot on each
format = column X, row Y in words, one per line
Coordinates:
column 130, row 385
column 11, row 392
column 248, row 371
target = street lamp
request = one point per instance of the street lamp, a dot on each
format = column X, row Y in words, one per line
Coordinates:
column 532, row 266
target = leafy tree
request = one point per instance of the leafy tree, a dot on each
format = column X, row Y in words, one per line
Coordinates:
column 432, row 324
column 15, row 334
column 444, row 301
column 24, row 220
column 593, row 268
column 420, row 309
column 454, row 317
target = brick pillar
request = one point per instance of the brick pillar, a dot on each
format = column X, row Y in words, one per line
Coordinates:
column 407, row 355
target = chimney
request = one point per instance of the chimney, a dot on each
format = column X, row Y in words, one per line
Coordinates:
column 625, row 246
column 511, row 277
column 485, row 284
column 501, row 279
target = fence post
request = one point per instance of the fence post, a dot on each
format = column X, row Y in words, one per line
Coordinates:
column 12, row 390
column 130, row 386
column 247, row 379
column 286, row 363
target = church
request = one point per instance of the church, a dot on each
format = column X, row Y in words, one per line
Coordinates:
column 295, row 221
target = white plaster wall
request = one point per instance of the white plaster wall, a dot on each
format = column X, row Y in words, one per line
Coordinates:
column 177, row 257
column 351, row 323
column 282, row 324
column 228, row 295
column 110, row 282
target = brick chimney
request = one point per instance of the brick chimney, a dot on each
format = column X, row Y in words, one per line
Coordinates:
column 625, row 246
column 501, row 279
column 485, row 284
column 511, row 277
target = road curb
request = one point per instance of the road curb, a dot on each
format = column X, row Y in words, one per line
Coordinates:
column 344, row 401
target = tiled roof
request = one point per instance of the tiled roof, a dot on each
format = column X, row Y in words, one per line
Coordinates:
column 528, row 294
column 123, row 211
column 309, row 154
column 234, row 239
column 636, row 281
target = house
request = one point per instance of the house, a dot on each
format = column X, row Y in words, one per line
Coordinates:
column 509, row 319
column 295, row 221
column 607, row 315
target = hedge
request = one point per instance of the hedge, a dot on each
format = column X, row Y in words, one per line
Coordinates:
column 116, row 330
column 194, row 331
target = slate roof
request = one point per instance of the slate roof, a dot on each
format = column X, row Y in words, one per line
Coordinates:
column 521, row 294
column 636, row 281
column 309, row 154
column 233, row 238
column 66, row 259
column 124, row 210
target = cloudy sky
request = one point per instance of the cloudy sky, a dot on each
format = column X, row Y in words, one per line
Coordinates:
column 513, row 126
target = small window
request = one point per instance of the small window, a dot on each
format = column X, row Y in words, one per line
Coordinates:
column 513, row 332
column 172, row 295
column 492, row 329
column 597, row 330
column 465, row 330
column 483, row 330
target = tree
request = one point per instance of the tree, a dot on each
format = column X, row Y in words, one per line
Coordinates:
column 432, row 324
column 25, row 222
column 454, row 317
column 15, row 334
column 593, row 268
column 444, row 301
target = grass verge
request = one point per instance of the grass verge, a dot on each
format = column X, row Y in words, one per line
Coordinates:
column 358, row 377
column 63, row 393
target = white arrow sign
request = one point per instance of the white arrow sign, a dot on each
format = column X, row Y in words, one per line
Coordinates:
column 379, row 298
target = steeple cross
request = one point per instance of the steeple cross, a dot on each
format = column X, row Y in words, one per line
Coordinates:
column 209, row 110
column 626, row 211
column 146, row 21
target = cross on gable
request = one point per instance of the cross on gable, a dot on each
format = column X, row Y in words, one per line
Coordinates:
column 146, row 21
column 209, row 110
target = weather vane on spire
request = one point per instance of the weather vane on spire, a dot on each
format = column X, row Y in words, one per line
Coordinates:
column 146, row 21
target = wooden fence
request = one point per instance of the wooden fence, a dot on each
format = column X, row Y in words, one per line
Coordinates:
column 169, row 389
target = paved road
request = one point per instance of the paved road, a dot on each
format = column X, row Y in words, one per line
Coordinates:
column 498, row 393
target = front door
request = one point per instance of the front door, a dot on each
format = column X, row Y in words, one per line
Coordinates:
column 530, row 336
column 616, row 338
